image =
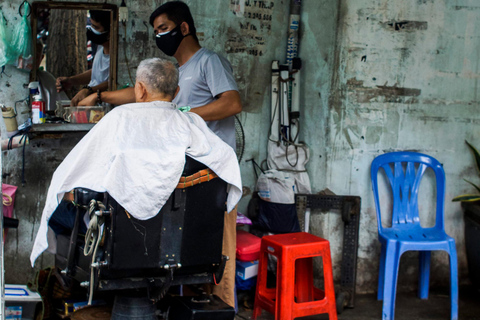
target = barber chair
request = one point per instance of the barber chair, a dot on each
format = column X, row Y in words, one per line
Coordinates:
column 181, row 245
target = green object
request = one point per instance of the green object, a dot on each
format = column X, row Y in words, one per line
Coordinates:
column 7, row 55
column 185, row 108
column 471, row 197
column 22, row 36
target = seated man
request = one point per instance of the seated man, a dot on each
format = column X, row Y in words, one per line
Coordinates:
column 136, row 153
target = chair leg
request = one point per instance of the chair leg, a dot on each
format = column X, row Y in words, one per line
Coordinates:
column 392, row 260
column 453, row 281
column 381, row 274
column 424, row 270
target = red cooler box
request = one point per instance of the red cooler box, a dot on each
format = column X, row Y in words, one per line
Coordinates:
column 248, row 246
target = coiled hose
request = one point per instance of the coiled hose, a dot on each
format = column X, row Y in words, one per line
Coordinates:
column 93, row 238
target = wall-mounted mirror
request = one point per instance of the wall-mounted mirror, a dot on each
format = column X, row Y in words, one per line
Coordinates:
column 74, row 39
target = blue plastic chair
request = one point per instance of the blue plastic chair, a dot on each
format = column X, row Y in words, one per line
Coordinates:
column 404, row 171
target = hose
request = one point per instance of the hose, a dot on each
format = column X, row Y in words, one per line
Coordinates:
column 92, row 239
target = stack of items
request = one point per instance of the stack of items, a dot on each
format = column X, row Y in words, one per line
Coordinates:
column 21, row 303
column 248, row 250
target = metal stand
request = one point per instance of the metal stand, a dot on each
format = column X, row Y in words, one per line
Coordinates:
column 349, row 207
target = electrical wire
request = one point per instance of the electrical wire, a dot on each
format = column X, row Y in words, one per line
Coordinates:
column 287, row 142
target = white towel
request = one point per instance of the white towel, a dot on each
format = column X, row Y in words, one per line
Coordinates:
column 136, row 153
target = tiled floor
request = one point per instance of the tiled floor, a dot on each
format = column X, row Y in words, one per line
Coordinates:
column 408, row 307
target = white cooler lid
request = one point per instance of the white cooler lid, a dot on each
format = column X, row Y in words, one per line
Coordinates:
column 19, row 292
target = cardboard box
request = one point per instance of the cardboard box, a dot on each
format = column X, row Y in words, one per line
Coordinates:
column 20, row 303
column 247, row 269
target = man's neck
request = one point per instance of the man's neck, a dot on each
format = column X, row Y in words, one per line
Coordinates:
column 159, row 97
column 106, row 47
column 186, row 50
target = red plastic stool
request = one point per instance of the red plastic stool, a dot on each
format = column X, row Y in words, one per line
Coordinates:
column 295, row 296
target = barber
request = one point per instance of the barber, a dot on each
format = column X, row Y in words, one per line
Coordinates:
column 95, row 79
column 206, row 85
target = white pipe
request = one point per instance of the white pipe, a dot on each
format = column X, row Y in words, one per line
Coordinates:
column 16, row 143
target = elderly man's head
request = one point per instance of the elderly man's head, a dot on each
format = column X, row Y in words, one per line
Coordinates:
column 157, row 79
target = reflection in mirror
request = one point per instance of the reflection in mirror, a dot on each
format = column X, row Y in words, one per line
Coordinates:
column 76, row 50
column 61, row 50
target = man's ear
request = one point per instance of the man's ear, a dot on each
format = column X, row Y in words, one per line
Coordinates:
column 140, row 92
column 184, row 28
column 176, row 92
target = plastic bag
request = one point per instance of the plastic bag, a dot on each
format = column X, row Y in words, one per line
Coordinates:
column 22, row 40
column 7, row 55
column 8, row 194
column 8, row 197
column 277, row 211
column 276, row 186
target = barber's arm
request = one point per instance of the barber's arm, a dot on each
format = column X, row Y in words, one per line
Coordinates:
column 82, row 94
column 227, row 104
column 79, row 79
column 117, row 97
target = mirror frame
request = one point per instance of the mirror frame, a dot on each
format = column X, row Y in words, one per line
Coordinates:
column 112, row 81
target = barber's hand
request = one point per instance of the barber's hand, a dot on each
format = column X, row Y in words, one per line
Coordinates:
column 63, row 83
column 91, row 100
column 82, row 94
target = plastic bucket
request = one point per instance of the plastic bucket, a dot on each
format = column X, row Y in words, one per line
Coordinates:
column 10, row 120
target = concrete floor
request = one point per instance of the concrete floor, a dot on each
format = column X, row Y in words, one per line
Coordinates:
column 408, row 307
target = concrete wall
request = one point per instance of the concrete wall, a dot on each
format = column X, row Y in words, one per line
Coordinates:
column 406, row 78
column 378, row 76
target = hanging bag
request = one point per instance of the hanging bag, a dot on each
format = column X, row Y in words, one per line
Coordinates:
column 22, row 39
column 277, row 211
column 7, row 55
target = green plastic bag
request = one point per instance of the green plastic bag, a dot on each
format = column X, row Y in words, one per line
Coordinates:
column 22, row 36
column 7, row 55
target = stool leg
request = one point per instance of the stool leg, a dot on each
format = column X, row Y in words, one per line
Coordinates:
column 285, row 288
column 261, row 283
column 304, row 280
column 329, row 286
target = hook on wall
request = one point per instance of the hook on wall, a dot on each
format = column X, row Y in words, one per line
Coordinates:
column 28, row 9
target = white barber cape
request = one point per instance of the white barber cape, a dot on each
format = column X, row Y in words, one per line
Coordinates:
column 136, row 153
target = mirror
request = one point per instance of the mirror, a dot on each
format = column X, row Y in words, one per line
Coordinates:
column 62, row 50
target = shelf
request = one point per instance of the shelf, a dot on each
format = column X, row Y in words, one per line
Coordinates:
column 62, row 127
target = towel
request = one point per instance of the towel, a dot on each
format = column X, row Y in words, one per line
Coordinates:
column 136, row 153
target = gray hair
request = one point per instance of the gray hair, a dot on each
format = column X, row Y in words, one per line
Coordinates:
column 158, row 75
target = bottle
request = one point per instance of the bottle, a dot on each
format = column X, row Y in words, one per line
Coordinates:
column 38, row 110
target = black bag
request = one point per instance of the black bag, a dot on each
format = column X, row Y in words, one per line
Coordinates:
column 276, row 217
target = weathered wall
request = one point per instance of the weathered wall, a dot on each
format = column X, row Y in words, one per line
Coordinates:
column 406, row 78
column 370, row 83
column 250, row 35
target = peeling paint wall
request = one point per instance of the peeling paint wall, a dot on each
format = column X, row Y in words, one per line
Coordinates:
column 377, row 76
column 406, row 78
column 250, row 34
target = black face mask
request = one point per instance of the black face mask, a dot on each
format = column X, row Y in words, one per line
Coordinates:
column 97, row 37
column 169, row 41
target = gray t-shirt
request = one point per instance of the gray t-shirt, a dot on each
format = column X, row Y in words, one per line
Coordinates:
column 202, row 78
column 100, row 67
